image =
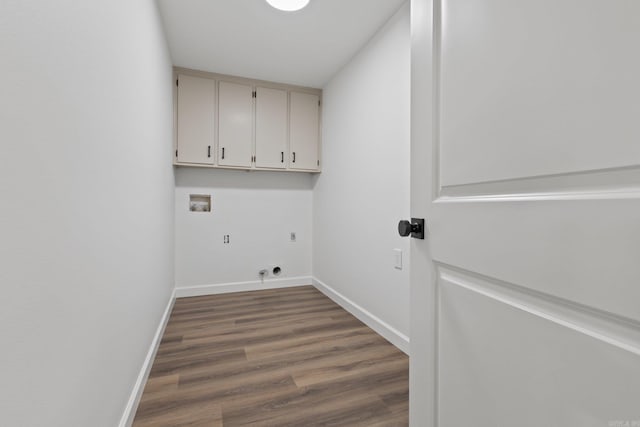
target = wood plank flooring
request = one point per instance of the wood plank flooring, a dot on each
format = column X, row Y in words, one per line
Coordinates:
column 283, row 357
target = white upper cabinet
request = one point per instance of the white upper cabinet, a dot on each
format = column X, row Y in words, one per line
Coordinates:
column 235, row 129
column 238, row 123
column 271, row 128
column 196, row 98
column 304, row 131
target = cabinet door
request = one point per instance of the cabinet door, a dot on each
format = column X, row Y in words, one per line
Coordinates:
column 304, row 130
column 235, row 124
column 196, row 120
column 271, row 128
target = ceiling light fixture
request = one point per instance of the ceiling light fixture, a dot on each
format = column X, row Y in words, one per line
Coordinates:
column 288, row 5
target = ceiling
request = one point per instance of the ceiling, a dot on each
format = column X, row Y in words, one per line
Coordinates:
column 251, row 39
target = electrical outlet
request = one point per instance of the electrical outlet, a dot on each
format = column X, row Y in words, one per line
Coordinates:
column 225, row 239
column 293, row 236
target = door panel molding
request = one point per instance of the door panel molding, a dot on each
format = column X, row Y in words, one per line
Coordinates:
column 508, row 360
column 599, row 183
column 603, row 326
column 581, row 250
column 545, row 90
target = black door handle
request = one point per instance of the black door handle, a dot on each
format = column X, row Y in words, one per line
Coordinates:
column 222, row 153
column 282, row 157
column 415, row 228
column 294, row 157
column 209, row 151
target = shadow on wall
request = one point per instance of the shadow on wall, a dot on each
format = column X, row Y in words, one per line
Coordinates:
column 247, row 180
column 314, row 180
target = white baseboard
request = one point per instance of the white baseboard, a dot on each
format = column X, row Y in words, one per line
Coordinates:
column 391, row 334
column 138, row 388
column 224, row 288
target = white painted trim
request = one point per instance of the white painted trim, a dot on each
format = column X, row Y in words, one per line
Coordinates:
column 604, row 326
column 138, row 388
column 224, row 288
column 387, row 331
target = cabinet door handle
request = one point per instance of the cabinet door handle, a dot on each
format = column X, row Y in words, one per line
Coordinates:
column 222, row 153
column 294, row 157
column 282, row 157
column 209, row 151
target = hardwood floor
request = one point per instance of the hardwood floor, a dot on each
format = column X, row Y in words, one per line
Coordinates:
column 284, row 357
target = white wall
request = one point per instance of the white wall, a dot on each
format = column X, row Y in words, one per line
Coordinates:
column 86, row 216
column 258, row 210
column 363, row 190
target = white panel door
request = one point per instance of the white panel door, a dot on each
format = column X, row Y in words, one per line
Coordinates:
column 526, row 166
column 271, row 128
column 235, row 124
column 196, row 120
column 304, row 131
